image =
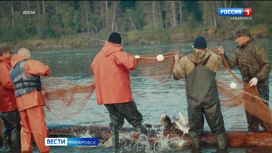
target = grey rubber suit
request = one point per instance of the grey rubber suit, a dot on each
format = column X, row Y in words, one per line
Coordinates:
column 203, row 99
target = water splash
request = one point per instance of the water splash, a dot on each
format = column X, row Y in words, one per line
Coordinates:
column 86, row 134
column 154, row 144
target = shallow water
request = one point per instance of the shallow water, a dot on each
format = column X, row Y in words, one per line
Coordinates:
column 152, row 97
column 108, row 150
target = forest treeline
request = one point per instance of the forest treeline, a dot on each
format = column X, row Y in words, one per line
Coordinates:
column 83, row 23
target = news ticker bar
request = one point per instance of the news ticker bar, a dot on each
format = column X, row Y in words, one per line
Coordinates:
column 235, row 11
column 93, row 142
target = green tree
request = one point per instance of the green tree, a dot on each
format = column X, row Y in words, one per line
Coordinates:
column 68, row 19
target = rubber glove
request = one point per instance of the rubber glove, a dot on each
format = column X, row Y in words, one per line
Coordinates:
column 177, row 57
column 220, row 50
column 253, row 82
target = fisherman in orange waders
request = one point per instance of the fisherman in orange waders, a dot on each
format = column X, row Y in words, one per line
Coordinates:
column 8, row 109
column 25, row 75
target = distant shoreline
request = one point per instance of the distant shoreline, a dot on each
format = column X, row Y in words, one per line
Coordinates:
column 86, row 40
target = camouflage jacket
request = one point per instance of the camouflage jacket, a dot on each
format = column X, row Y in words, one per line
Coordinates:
column 252, row 61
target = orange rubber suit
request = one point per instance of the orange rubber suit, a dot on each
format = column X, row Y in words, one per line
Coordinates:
column 30, row 107
column 115, row 89
column 8, row 109
column 7, row 97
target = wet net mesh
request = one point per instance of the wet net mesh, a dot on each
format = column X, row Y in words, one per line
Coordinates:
column 150, row 67
column 65, row 100
column 243, row 96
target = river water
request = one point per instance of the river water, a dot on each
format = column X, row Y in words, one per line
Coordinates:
column 152, row 97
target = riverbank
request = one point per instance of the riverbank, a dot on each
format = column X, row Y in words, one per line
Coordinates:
column 166, row 36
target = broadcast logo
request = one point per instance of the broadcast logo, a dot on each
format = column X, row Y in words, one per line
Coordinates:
column 236, row 13
column 87, row 142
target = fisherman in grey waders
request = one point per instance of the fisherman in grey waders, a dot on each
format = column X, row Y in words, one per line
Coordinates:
column 199, row 70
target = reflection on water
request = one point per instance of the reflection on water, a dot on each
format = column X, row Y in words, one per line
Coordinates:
column 152, row 97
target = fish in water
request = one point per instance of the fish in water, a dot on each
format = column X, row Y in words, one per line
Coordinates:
column 178, row 142
column 182, row 128
column 182, row 119
column 166, row 122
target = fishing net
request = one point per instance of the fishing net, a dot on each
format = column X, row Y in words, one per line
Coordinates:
column 247, row 97
column 248, row 102
column 65, row 100
column 150, row 67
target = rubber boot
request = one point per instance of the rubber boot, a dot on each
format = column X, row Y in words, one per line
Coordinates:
column 143, row 139
column 7, row 143
column 115, row 139
column 141, row 129
column 196, row 145
column 222, row 144
column 15, row 139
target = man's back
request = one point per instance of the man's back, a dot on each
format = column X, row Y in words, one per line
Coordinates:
column 111, row 74
column 186, row 64
column 32, row 67
column 199, row 70
column 200, row 84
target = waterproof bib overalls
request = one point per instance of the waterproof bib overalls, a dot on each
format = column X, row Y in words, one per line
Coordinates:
column 203, row 100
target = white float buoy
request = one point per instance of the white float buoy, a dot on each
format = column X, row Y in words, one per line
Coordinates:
column 160, row 57
column 233, row 85
column 137, row 56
